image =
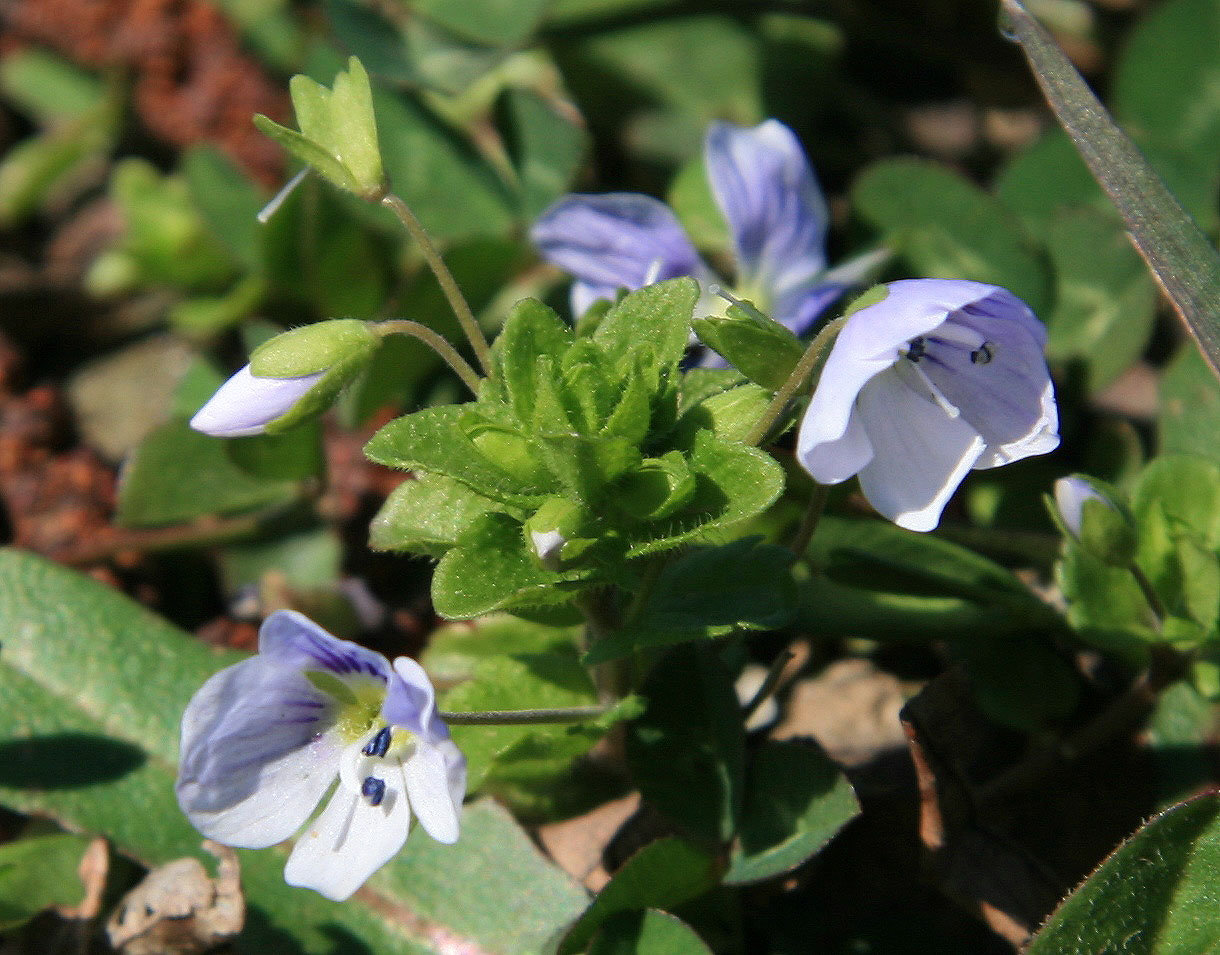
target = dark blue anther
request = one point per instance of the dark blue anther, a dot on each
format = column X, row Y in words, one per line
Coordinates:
column 983, row 354
column 917, row 348
column 373, row 789
column 379, row 744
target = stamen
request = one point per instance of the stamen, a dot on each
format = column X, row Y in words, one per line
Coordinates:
column 373, row 789
column 983, row 354
column 378, row 745
column 938, row 396
column 916, row 348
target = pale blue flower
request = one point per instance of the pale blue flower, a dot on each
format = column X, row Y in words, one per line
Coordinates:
column 771, row 202
column 246, row 404
column 264, row 740
column 938, row 377
column 1070, row 496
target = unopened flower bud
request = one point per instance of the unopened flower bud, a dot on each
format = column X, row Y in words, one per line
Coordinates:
column 1092, row 513
column 290, row 378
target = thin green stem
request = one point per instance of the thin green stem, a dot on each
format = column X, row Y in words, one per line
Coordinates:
column 809, row 521
column 796, row 381
column 437, row 342
column 448, row 285
column 562, row 714
column 1149, row 592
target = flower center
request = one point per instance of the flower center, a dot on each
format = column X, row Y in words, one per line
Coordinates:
column 369, row 761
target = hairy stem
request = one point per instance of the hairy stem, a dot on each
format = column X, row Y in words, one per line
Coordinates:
column 562, row 714
column 453, row 294
column 817, row 349
column 437, row 342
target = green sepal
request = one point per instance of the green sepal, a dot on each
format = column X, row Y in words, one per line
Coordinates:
column 313, row 348
column 761, row 349
column 658, row 315
column 506, row 448
column 338, row 136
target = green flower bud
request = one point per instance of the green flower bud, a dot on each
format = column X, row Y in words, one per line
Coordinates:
column 1091, row 512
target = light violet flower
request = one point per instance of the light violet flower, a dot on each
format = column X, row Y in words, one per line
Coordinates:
column 935, row 378
column 775, row 212
column 246, row 404
column 1070, row 495
column 264, row 739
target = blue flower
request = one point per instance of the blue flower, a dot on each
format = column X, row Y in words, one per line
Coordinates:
column 771, row 202
column 264, row 740
column 246, row 404
column 925, row 382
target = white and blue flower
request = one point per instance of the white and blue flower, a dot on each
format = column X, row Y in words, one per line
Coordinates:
column 264, row 740
column 934, row 378
column 771, row 202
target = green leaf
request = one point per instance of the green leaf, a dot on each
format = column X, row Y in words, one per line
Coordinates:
column 455, row 194
column 1189, row 420
column 529, row 666
column 730, row 415
column 413, row 52
column 94, row 685
column 762, row 350
column 545, row 146
column 1188, row 489
column 433, row 440
column 426, row 514
column 651, row 931
column 1182, row 257
column 228, row 201
column 1105, row 301
column 1173, row 98
column 709, row 592
column 292, row 455
column 48, row 87
column 664, row 874
column 656, row 316
column 733, row 483
column 493, row 22
column 492, row 568
column 303, row 560
column 690, row 196
column 37, row 873
column 1155, row 894
column 531, row 331
column 946, row 227
column 177, row 474
column 1020, row 680
column 796, row 800
column 687, row 749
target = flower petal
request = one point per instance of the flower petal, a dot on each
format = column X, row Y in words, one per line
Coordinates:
column 245, row 404
column 799, row 309
column 870, row 341
column 427, row 777
column 612, row 241
column 350, row 840
column 257, row 754
column 831, row 462
column 921, row 456
column 771, row 201
column 1009, row 398
column 293, row 640
column 410, row 701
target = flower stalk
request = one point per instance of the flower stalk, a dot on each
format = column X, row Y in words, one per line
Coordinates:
column 438, row 343
column 449, row 286
column 813, row 356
